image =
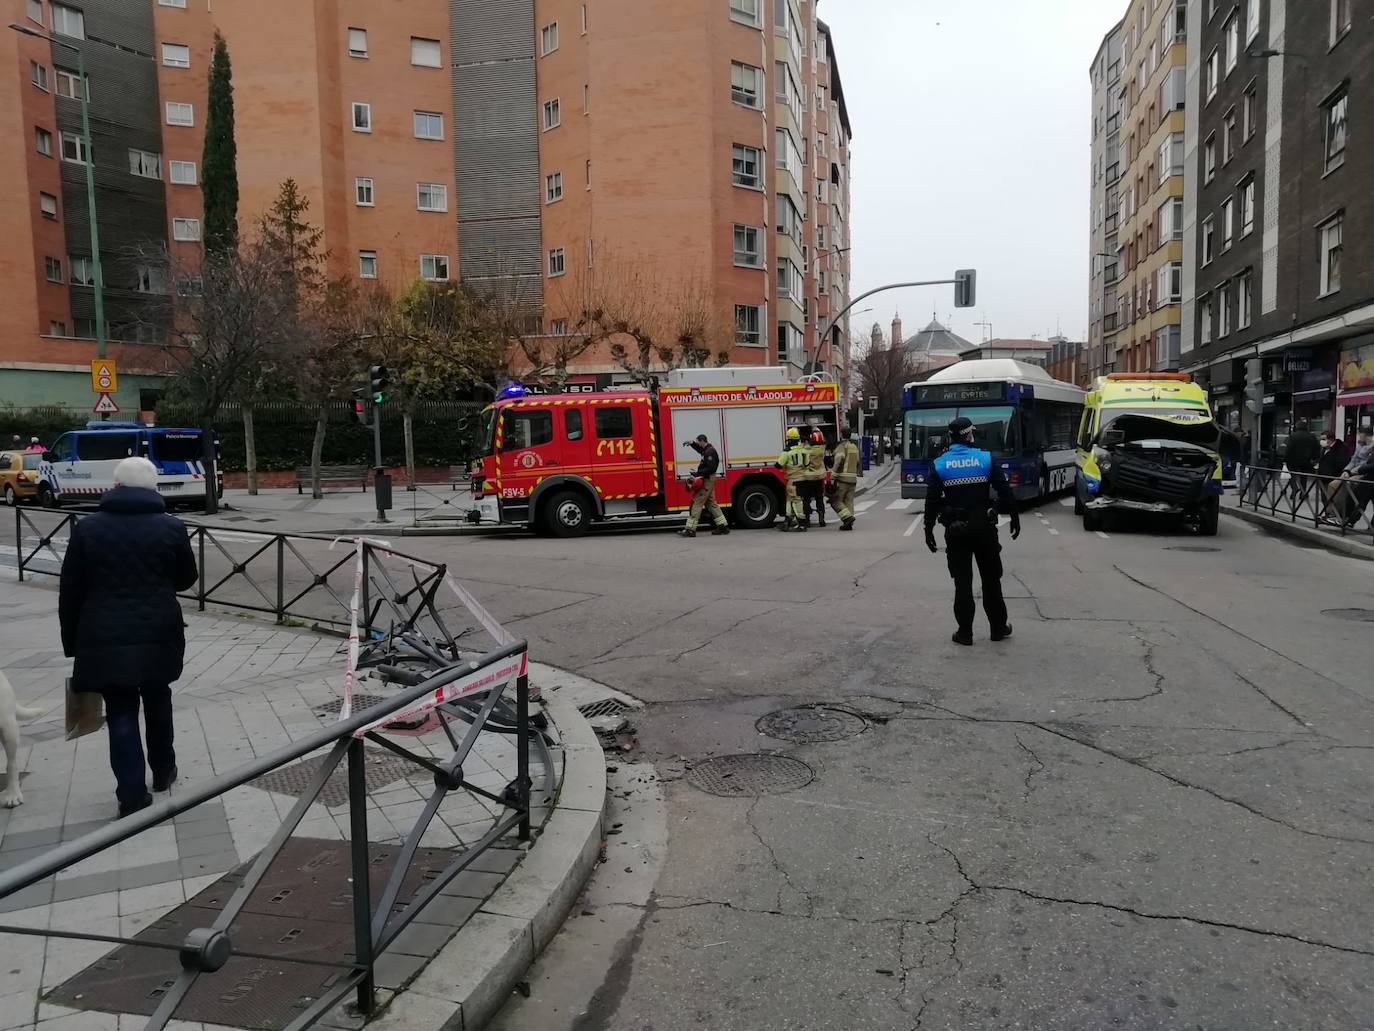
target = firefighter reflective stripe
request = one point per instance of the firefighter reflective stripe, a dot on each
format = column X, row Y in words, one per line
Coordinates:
column 814, row 466
column 846, row 469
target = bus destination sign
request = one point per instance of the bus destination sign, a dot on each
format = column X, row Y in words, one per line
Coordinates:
column 961, row 393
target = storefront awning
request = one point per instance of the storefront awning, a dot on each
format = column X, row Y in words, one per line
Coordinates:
column 1355, row 397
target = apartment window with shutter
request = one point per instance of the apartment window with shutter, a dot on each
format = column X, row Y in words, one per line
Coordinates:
column 746, row 85
column 363, row 195
column 42, row 141
column 745, row 162
column 429, row 125
column 1331, row 236
column 553, row 115
column 746, row 12
column 748, row 325
column 425, row 53
column 182, row 173
column 548, row 38
column 553, row 187
column 431, row 197
column 176, row 55
column 367, row 264
column 68, row 21
column 172, row 3
column 748, row 246
column 357, row 42
column 52, row 268
column 362, row 117
column 34, row 10
column 186, row 229
column 434, row 267
column 47, row 205
column 38, row 75
column 57, row 329
column 180, row 114
column 557, row 262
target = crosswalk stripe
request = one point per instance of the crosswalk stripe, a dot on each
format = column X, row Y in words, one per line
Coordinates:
column 902, row 503
column 914, row 523
column 864, row 506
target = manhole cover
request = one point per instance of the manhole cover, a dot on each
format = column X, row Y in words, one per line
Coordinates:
column 736, row 776
column 380, row 767
column 808, row 724
column 605, row 707
column 361, row 702
column 1354, row 615
column 1190, row 547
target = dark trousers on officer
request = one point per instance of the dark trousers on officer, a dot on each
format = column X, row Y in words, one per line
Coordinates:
column 962, row 550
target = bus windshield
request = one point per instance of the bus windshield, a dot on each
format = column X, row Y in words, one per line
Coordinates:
column 927, row 430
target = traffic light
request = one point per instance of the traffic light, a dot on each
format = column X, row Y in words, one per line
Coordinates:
column 379, row 378
column 1254, row 386
column 360, row 405
column 966, row 288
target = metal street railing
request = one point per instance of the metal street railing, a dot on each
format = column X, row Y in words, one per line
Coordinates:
column 1339, row 504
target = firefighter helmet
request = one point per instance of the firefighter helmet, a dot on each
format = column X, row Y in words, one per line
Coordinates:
column 818, row 437
column 793, row 433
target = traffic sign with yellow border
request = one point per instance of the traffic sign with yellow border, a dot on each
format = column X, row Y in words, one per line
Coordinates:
column 104, row 376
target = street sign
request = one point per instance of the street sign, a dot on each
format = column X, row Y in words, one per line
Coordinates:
column 105, row 406
column 104, row 377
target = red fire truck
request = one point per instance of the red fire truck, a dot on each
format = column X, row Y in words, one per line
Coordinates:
column 558, row 463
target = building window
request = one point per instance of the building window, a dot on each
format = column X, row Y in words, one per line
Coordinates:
column 553, row 187
column 434, row 267
column 182, row 173
column 47, row 205
column 1224, row 305
column 431, row 197
column 149, row 280
column 557, row 262
column 1228, row 137
column 42, row 141
column 185, row 229
column 548, row 39
column 180, row 114
column 559, row 328
column 367, row 264
column 746, row 85
column 1247, row 207
column 553, row 116
column 52, row 268
column 34, row 10
column 1170, row 157
column 1209, row 240
column 1213, row 73
column 744, row 168
column 1245, row 293
column 748, row 246
column 1249, row 110
column 176, row 55
column 74, row 148
column 1252, row 20
column 587, row 173
column 788, row 280
column 1204, row 319
column 429, row 125
column 1228, row 222
column 145, row 164
column 425, row 53
column 1341, row 19
column 38, row 75
column 172, row 3
column 362, row 117
column 1231, row 32
column 746, row 12
column 69, row 84
column 1170, row 219
column 363, row 195
column 748, row 325
column 1209, row 159
column 68, row 21
column 357, row 42
column 1334, row 112
column 57, row 329
column 80, row 271
column 1332, row 248
column 584, row 19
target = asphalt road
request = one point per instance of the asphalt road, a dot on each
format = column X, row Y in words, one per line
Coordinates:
column 1149, row 809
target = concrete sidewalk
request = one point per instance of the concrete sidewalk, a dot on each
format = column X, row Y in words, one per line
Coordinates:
column 248, row 689
column 1358, row 543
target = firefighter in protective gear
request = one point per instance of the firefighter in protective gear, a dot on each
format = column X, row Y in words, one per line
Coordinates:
column 844, row 480
column 960, row 497
column 792, row 461
column 703, row 486
column 811, row 483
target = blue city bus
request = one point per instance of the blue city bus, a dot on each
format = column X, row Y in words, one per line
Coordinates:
column 1020, row 413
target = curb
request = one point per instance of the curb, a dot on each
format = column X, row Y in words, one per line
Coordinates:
column 465, row 985
column 1306, row 534
column 887, row 475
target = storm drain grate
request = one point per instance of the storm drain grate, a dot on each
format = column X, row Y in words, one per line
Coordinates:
column 738, row 776
column 302, row 910
column 381, row 768
column 605, row 707
column 809, row 724
column 1354, row 615
column 360, row 702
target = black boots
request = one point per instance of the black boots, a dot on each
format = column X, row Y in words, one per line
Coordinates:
column 1003, row 634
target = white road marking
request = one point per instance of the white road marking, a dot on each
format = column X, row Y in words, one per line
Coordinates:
column 1103, row 535
column 914, row 523
column 863, row 506
column 1053, row 531
column 1066, row 502
column 900, row 503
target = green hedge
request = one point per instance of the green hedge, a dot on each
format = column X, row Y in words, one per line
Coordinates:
column 445, row 433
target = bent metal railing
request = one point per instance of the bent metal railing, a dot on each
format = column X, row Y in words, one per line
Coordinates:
column 206, row 950
column 1339, row 504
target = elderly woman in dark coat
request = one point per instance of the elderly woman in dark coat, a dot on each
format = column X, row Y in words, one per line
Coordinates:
column 121, row 621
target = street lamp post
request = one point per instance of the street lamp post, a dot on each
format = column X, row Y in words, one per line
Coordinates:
column 85, row 98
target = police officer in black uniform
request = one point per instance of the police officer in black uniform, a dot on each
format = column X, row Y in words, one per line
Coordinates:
column 959, row 497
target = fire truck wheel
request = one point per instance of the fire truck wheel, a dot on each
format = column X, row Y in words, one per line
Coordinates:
column 567, row 514
column 755, row 506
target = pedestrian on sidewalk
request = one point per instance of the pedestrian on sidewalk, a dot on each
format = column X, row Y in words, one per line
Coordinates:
column 702, row 483
column 121, row 622
column 844, row 480
column 1301, row 458
column 1332, row 462
column 1359, row 476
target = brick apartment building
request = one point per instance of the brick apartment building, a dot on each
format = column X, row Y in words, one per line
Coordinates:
column 1281, row 248
column 1104, row 207
column 519, row 141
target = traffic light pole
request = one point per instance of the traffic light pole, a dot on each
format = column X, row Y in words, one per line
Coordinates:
column 378, row 486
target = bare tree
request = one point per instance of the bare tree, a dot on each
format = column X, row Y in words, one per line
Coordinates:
column 882, row 371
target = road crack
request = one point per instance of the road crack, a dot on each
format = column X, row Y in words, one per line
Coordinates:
column 1270, row 699
column 1035, row 770
column 787, row 881
column 1149, row 661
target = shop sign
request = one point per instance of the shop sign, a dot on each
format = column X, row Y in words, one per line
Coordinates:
column 1357, row 368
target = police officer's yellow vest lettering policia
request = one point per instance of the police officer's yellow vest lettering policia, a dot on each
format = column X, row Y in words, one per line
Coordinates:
column 846, row 468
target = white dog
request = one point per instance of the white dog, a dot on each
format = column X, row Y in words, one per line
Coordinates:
column 11, row 712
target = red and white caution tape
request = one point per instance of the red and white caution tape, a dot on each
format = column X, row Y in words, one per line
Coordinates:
column 504, row 673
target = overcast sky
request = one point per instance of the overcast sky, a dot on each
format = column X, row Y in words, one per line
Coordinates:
column 972, row 126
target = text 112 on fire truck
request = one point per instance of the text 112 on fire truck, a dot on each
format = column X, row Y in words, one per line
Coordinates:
column 561, row 462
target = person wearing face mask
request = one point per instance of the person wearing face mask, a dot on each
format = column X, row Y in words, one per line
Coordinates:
column 844, row 479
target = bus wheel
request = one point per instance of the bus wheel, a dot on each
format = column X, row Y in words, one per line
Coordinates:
column 567, row 514
column 756, row 507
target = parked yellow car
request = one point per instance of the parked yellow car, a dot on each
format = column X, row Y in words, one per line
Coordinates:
column 19, row 476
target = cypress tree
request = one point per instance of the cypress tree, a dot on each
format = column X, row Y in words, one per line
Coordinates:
column 219, row 160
